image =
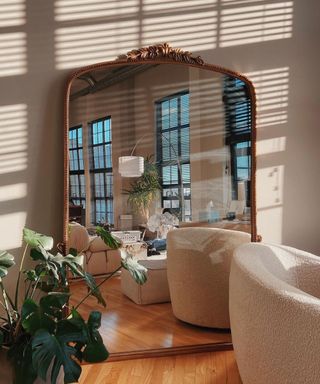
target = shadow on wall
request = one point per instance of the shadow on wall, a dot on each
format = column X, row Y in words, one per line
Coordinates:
column 41, row 41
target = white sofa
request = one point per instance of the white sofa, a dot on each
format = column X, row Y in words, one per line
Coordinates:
column 198, row 266
column 99, row 258
column 275, row 314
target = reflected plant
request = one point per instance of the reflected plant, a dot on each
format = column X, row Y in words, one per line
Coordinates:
column 43, row 335
column 145, row 189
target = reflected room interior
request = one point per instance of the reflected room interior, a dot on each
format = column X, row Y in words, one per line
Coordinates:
column 152, row 148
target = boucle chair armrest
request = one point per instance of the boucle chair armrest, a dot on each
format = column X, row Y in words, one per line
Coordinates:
column 275, row 312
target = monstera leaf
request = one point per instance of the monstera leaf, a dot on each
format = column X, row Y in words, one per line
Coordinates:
column 35, row 240
column 94, row 289
column 94, row 350
column 46, row 314
column 75, row 263
column 20, row 356
column 109, row 240
column 6, row 261
column 58, row 349
column 136, row 270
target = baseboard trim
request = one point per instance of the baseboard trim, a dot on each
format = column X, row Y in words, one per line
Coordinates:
column 172, row 351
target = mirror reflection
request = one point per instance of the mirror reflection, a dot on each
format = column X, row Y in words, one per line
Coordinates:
column 192, row 125
column 153, row 147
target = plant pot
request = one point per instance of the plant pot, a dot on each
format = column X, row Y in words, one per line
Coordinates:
column 6, row 372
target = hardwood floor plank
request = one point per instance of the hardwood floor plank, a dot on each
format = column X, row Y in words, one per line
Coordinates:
column 126, row 326
column 201, row 368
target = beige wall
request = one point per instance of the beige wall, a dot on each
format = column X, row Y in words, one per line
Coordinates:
column 42, row 41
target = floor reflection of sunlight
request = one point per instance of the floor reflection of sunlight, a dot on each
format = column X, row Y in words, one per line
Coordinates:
column 256, row 23
column 13, row 138
column 12, row 13
column 13, row 54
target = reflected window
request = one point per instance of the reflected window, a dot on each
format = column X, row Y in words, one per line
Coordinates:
column 101, row 171
column 76, row 164
column 173, row 151
column 238, row 133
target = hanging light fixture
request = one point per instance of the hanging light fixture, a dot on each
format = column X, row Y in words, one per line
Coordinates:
column 131, row 166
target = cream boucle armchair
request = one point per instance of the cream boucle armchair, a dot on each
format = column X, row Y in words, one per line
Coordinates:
column 275, row 314
column 198, row 266
column 99, row 258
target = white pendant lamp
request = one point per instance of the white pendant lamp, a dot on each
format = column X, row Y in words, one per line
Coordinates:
column 131, row 166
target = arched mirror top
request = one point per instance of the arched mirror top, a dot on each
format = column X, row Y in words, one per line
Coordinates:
column 196, row 121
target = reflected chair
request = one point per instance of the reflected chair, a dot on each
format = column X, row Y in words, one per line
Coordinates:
column 99, row 258
column 275, row 314
column 198, row 266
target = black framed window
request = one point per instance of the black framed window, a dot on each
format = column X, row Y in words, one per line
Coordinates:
column 238, row 127
column 101, row 171
column 173, row 145
column 76, row 165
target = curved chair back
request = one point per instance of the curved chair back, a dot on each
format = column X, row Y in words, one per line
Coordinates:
column 275, row 314
column 198, row 266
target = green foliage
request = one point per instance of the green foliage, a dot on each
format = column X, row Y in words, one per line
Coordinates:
column 145, row 189
column 136, row 270
column 48, row 347
column 34, row 239
column 46, row 314
column 44, row 336
column 109, row 240
column 6, row 261
column 20, row 356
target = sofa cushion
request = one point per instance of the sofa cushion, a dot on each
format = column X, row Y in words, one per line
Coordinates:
column 79, row 238
column 97, row 244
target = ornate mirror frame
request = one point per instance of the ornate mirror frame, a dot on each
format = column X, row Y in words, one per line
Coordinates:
column 159, row 54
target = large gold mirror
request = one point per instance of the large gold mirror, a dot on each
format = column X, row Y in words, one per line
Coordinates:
column 156, row 131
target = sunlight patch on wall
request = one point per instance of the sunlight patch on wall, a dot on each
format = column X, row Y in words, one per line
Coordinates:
column 186, row 5
column 12, row 13
column 273, row 145
column 13, row 192
column 272, row 89
column 11, row 227
column 13, row 138
column 195, row 31
column 13, row 54
column 66, row 10
column 256, row 23
column 270, row 185
column 240, row 2
column 83, row 45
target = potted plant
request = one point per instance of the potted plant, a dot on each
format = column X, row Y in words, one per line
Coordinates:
column 43, row 337
column 144, row 190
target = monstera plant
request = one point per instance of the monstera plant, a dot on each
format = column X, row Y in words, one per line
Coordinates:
column 44, row 337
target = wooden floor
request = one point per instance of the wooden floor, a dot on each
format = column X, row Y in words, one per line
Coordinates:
column 128, row 327
column 200, row 368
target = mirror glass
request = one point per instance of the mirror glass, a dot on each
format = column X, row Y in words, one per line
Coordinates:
column 153, row 146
